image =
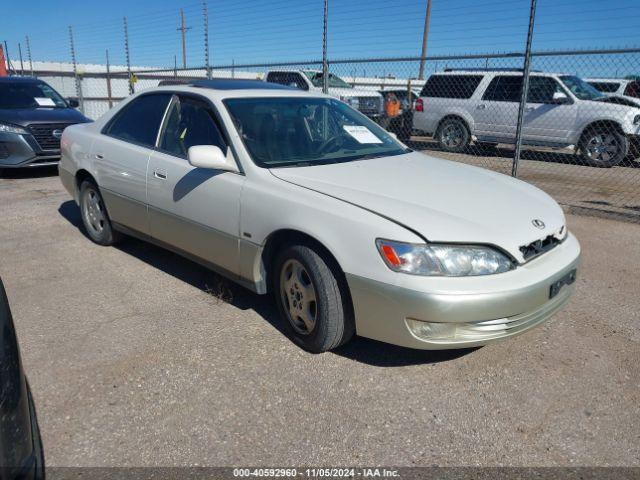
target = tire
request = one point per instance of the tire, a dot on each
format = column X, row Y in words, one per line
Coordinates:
column 312, row 298
column 602, row 147
column 453, row 135
column 95, row 217
column 38, row 450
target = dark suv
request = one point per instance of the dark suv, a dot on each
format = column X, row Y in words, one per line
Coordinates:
column 32, row 118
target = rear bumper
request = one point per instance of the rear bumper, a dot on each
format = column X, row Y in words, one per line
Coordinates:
column 460, row 319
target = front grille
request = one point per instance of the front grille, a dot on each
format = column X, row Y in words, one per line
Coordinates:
column 370, row 104
column 43, row 133
column 539, row 247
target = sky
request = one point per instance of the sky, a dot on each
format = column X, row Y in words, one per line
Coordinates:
column 256, row 31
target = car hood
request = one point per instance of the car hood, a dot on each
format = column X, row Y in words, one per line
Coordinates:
column 440, row 200
column 352, row 93
column 26, row 116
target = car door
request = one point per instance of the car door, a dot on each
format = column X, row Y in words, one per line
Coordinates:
column 195, row 210
column 121, row 155
column 496, row 113
column 545, row 119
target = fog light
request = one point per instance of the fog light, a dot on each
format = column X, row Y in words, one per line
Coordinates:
column 430, row 330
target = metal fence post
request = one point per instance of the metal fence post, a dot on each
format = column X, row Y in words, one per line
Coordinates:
column 75, row 70
column 21, row 62
column 325, row 64
column 205, row 13
column 128, row 58
column 108, row 78
column 29, row 54
column 525, row 91
column 425, row 36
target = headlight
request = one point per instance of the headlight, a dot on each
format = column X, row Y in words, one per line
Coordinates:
column 351, row 101
column 8, row 128
column 442, row 260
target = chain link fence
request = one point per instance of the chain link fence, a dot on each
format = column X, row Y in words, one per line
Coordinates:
column 578, row 128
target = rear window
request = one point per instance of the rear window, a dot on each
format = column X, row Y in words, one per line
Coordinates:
column 451, row 86
column 605, row 87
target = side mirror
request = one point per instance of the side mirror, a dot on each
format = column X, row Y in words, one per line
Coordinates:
column 73, row 103
column 210, row 156
column 559, row 98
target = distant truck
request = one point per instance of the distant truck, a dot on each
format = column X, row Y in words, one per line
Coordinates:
column 370, row 103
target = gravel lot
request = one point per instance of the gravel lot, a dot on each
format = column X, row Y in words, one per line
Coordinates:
column 139, row 357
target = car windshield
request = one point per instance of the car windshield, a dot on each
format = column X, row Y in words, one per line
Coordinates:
column 580, row 88
column 334, row 82
column 291, row 131
column 29, row 95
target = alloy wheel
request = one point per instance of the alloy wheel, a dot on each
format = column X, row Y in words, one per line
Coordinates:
column 93, row 211
column 602, row 147
column 298, row 297
column 452, row 135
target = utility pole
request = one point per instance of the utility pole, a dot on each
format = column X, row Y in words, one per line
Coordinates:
column 525, row 90
column 425, row 36
column 183, row 30
column 29, row 54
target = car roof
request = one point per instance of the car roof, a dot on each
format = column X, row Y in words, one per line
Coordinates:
column 497, row 72
column 256, row 88
column 608, row 80
column 20, row 80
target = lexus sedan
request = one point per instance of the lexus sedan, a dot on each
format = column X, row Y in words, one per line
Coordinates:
column 298, row 195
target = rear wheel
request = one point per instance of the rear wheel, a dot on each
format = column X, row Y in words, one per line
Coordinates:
column 602, row 147
column 94, row 215
column 312, row 298
column 453, row 135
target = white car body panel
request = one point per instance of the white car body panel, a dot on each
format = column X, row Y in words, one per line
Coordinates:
column 225, row 220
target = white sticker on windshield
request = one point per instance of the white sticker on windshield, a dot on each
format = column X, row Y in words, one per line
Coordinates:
column 361, row 134
column 45, row 102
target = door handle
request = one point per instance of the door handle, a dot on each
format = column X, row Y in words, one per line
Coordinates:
column 99, row 156
column 482, row 106
column 161, row 174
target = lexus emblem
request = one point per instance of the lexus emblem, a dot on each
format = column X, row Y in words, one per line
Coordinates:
column 57, row 133
column 538, row 223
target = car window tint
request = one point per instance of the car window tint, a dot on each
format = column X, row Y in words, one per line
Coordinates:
column 290, row 79
column 605, row 87
column 633, row 89
column 451, row 86
column 504, row 88
column 140, row 120
column 190, row 122
column 541, row 89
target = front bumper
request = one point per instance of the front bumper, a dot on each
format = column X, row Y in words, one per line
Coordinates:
column 504, row 307
column 18, row 151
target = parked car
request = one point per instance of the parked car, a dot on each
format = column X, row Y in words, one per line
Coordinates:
column 401, row 123
column 616, row 86
column 32, row 118
column 296, row 194
column 368, row 102
column 458, row 107
column 21, row 453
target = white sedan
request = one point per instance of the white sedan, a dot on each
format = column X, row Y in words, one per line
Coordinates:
column 298, row 195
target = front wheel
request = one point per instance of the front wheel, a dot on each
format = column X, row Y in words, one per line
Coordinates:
column 453, row 135
column 312, row 298
column 603, row 147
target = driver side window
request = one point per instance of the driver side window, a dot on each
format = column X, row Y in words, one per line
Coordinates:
column 190, row 122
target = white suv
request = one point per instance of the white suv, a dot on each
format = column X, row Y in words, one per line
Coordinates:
column 368, row 102
column 458, row 107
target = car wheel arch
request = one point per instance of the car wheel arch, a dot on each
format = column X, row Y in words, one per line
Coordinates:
column 612, row 124
column 81, row 176
column 279, row 239
column 455, row 116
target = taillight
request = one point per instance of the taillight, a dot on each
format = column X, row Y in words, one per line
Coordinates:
column 419, row 105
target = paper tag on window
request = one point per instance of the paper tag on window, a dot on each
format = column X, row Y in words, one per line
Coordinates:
column 361, row 134
column 45, row 102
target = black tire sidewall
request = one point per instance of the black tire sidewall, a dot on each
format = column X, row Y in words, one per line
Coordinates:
column 622, row 140
column 466, row 140
column 108, row 236
column 333, row 323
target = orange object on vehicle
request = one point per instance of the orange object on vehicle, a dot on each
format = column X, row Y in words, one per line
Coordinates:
column 391, row 105
column 3, row 67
